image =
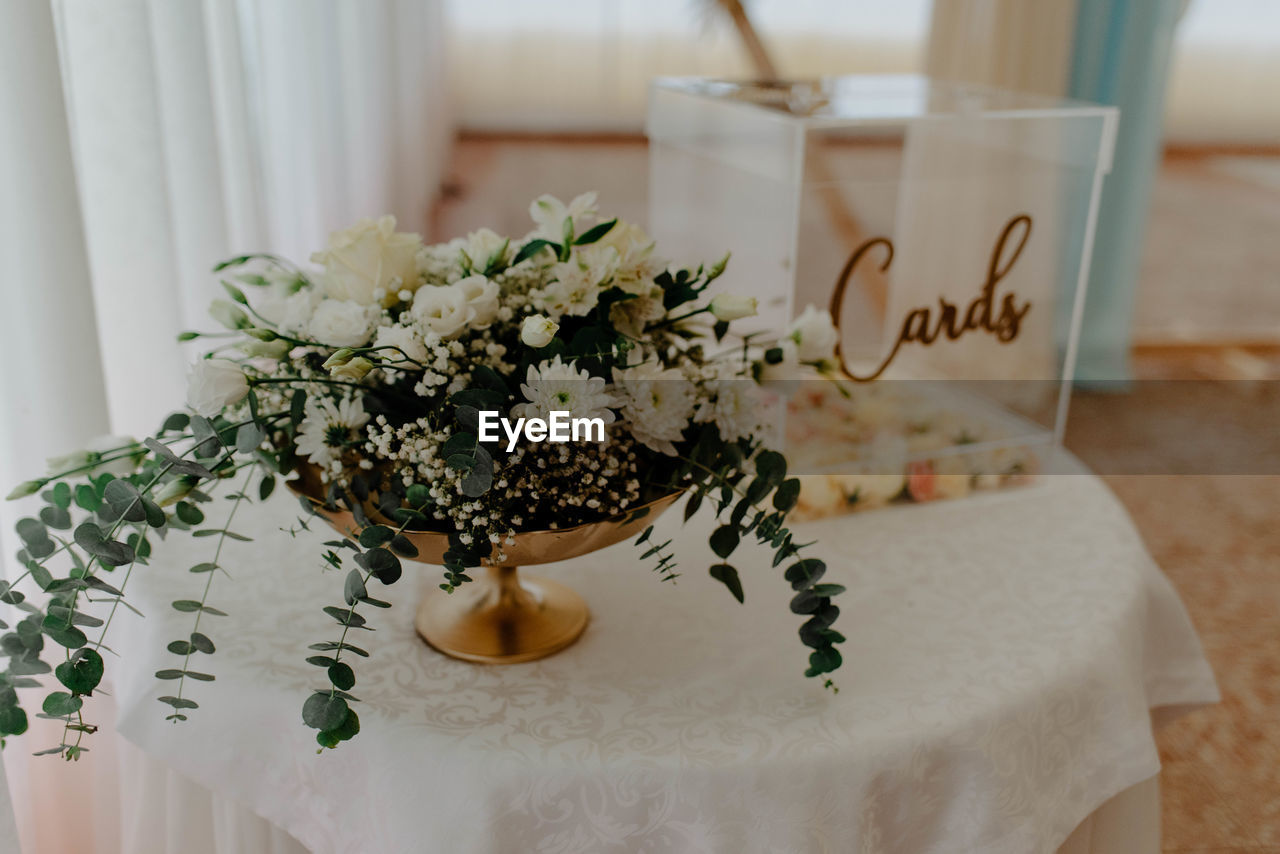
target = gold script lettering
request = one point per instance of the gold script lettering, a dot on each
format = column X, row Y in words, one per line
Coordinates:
column 981, row 314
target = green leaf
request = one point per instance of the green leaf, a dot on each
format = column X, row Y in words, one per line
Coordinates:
column 827, row 590
column 724, row 540
column 249, row 437
column 787, row 495
column 347, row 730
column 342, row 676
column 728, row 576
column 169, row 674
column 823, row 660
column 59, row 704
column 61, row 633
column 804, row 572
column 403, row 546
column 180, row 647
column 56, row 517
column 112, row 553
column 201, row 643
column 418, row 496
column 533, row 247
column 179, row 702
column 376, row 535
column 323, row 712
column 354, row 588
column 297, row 408
column 384, row 565
column 189, row 513
column 87, row 498
column 593, row 234
column 13, row 720
column 771, row 467
column 266, row 487
column 81, row 673
column 175, row 423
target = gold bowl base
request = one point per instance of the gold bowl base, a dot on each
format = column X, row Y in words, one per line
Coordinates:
column 502, row 618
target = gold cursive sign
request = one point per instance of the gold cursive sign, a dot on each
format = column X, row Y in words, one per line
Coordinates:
column 981, row 315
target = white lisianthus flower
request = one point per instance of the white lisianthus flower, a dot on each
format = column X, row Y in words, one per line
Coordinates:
column 538, row 330
column 94, row 450
column 814, row 334
column 550, row 213
column 556, row 387
column 328, row 428
column 442, row 309
column 370, row 262
column 732, row 307
column 482, row 295
column 215, row 384
column 657, row 403
column 341, row 323
column 406, row 339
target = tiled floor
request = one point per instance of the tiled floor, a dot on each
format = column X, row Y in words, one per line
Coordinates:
column 1216, row 536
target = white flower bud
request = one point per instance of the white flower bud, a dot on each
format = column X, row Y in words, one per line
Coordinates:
column 355, row 369
column 538, row 330
column 728, row 307
column 214, row 384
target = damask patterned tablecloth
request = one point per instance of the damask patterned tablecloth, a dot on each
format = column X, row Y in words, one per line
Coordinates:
column 1003, row 654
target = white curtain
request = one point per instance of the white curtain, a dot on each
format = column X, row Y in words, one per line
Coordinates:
column 141, row 141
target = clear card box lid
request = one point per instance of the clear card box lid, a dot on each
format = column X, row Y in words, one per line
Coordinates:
column 947, row 227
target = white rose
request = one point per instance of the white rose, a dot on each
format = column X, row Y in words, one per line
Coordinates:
column 815, row 335
column 442, row 309
column 482, row 295
column 370, row 262
column 538, row 330
column 728, row 307
column 215, row 384
column 341, row 323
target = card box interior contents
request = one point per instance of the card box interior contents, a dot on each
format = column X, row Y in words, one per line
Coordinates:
column 948, row 227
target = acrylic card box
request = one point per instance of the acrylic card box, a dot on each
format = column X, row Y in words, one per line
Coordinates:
column 948, row 229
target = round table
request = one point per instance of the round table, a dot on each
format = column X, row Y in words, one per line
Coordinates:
column 1004, row 654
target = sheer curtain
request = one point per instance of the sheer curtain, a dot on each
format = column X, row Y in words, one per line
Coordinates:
column 141, row 141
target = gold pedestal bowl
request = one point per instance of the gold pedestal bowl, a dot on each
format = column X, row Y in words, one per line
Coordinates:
column 502, row 617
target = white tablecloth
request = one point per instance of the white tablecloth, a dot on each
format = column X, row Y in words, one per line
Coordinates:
column 1003, row 654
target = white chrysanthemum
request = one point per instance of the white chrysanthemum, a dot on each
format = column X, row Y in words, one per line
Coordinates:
column 550, row 213
column 657, row 403
column 328, row 428
column 556, row 387
column 736, row 406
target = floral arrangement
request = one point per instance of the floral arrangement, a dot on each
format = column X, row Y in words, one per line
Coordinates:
column 368, row 376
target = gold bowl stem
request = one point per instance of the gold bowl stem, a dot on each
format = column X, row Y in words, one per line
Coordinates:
column 502, row 618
